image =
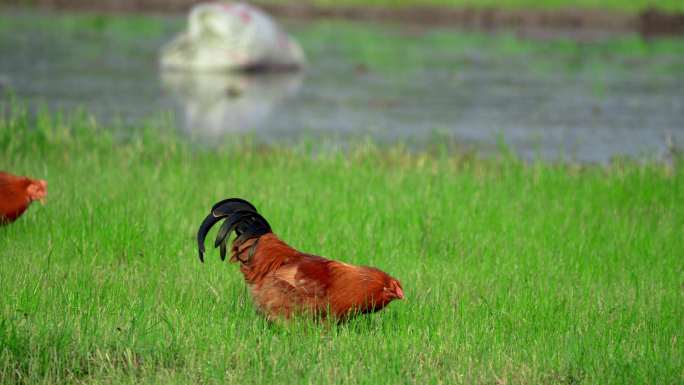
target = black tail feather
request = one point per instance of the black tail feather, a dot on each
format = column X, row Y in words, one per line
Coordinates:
column 206, row 225
column 230, row 223
column 241, row 217
column 251, row 223
column 223, row 250
column 227, row 206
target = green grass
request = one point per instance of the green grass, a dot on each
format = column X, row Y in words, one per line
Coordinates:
column 628, row 6
column 394, row 51
column 121, row 28
column 515, row 273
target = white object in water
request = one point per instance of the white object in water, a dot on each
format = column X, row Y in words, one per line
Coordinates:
column 231, row 36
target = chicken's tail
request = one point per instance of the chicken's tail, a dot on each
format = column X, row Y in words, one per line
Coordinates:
column 240, row 216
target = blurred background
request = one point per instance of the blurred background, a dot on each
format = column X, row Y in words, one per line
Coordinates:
column 587, row 80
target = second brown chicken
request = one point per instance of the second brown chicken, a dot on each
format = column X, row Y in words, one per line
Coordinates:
column 17, row 193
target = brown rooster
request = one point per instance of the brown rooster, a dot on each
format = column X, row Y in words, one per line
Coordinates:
column 285, row 282
column 17, row 193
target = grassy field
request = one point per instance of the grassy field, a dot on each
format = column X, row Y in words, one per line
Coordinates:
column 515, row 273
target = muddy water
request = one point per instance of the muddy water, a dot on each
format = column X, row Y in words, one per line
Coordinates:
column 471, row 98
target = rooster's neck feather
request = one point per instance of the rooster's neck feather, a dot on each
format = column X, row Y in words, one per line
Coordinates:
column 270, row 254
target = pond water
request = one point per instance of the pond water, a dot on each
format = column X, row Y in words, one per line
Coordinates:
column 590, row 102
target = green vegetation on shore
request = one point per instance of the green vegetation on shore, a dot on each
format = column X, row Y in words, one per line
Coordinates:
column 629, row 6
column 515, row 272
column 382, row 47
column 625, row 6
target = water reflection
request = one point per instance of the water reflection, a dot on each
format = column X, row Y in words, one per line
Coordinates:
column 214, row 104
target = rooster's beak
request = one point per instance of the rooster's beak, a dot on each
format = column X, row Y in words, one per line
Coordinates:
column 399, row 293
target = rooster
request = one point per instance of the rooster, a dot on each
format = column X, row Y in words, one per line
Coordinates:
column 17, row 193
column 284, row 282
